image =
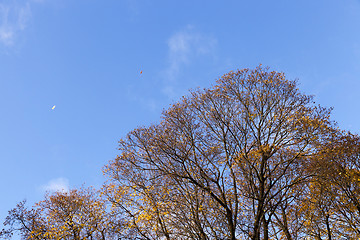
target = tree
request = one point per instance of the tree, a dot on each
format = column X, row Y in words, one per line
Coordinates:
column 339, row 182
column 77, row 214
column 24, row 221
column 250, row 158
column 222, row 162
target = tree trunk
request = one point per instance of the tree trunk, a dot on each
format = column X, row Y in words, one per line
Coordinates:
column 328, row 226
column 266, row 229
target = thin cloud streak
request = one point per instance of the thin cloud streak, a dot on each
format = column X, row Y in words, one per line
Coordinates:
column 14, row 19
column 183, row 47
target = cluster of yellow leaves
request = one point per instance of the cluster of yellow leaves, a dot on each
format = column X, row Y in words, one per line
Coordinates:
column 77, row 214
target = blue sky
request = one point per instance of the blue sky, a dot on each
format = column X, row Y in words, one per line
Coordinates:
column 85, row 57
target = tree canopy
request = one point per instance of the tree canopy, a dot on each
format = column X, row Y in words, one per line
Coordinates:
column 249, row 158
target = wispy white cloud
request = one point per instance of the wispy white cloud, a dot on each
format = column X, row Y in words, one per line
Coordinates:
column 14, row 18
column 133, row 6
column 183, row 47
column 56, row 185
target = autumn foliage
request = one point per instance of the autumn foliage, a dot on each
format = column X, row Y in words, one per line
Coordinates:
column 250, row 158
